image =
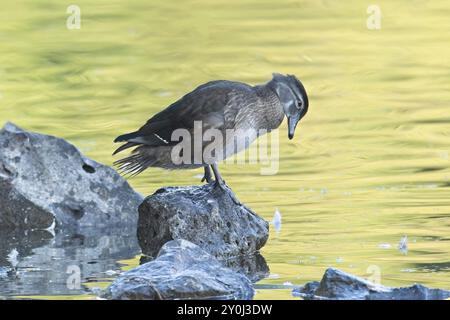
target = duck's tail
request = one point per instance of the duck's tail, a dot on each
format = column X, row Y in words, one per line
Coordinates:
column 136, row 163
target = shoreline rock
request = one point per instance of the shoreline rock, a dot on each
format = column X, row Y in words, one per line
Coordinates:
column 204, row 215
column 338, row 285
column 182, row 270
column 45, row 182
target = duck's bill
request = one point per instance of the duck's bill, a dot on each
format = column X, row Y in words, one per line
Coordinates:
column 292, row 124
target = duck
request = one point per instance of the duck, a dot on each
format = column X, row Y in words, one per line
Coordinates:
column 228, row 108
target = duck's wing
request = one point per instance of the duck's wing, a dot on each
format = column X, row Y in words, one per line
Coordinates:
column 216, row 104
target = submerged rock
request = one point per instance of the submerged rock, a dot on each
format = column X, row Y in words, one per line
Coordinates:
column 339, row 285
column 204, row 215
column 45, row 182
column 182, row 270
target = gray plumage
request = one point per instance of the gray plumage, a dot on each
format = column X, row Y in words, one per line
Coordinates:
column 222, row 105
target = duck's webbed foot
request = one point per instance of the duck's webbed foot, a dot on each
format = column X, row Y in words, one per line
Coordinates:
column 220, row 183
column 207, row 176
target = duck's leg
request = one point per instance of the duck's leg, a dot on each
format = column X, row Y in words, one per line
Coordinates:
column 220, row 183
column 207, row 176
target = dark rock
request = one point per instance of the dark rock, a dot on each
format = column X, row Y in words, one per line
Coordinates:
column 252, row 266
column 310, row 288
column 16, row 211
column 44, row 179
column 24, row 241
column 336, row 284
column 182, row 270
column 204, row 215
column 414, row 292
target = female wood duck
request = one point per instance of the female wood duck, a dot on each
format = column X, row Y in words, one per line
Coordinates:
column 223, row 106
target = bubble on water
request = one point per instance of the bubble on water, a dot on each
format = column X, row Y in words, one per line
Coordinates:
column 408, row 270
column 427, row 186
column 443, row 155
column 384, row 246
column 274, row 276
column 276, row 220
column 307, row 58
column 287, row 283
column 111, row 272
column 339, row 259
column 165, row 93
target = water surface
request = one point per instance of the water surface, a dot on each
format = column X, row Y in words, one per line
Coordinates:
column 370, row 162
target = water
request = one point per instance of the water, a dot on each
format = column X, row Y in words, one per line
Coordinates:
column 370, row 162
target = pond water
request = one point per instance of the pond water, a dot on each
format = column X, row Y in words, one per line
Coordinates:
column 369, row 163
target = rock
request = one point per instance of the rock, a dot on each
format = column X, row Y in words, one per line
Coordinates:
column 204, row 215
column 414, row 292
column 24, row 241
column 336, row 284
column 44, row 179
column 182, row 270
column 254, row 266
column 17, row 211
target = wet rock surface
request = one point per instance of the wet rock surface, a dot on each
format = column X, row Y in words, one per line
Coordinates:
column 182, row 270
column 46, row 180
column 204, row 215
column 254, row 266
column 336, row 284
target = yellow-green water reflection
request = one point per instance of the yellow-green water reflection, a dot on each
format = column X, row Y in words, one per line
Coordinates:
column 370, row 162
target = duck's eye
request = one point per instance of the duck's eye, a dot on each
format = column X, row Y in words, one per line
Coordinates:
column 299, row 104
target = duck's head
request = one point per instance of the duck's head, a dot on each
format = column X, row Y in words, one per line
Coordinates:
column 293, row 98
